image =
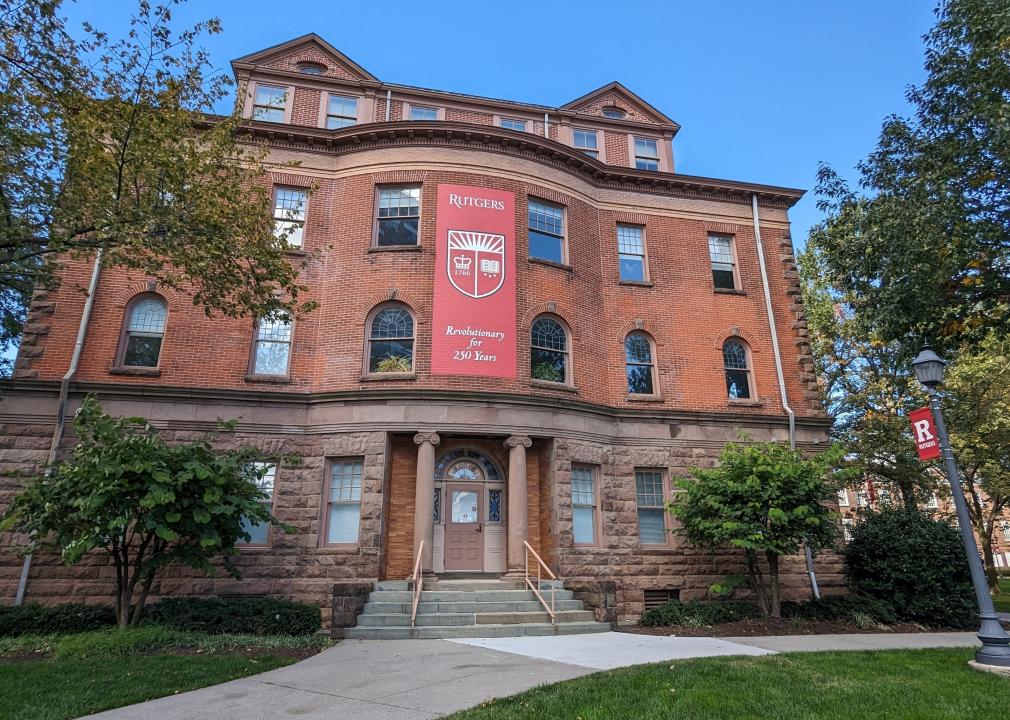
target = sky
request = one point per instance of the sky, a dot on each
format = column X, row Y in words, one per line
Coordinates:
column 763, row 91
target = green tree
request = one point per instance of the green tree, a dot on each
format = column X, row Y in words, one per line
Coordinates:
column 127, row 493
column 112, row 145
column 764, row 499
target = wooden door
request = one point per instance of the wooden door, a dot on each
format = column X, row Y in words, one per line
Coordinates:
column 464, row 536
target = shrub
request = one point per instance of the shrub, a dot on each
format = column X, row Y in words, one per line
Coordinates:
column 915, row 564
column 694, row 613
column 237, row 616
column 34, row 619
column 842, row 608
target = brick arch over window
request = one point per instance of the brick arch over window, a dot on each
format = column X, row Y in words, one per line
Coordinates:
column 646, row 326
column 145, row 319
column 640, row 364
column 390, row 338
column 550, row 307
column 719, row 340
column 126, row 294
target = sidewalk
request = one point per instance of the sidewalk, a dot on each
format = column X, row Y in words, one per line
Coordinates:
column 417, row 679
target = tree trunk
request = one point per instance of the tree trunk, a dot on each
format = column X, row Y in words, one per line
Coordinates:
column 757, row 583
column 991, row 578
column 775, row 603
column 138, row 609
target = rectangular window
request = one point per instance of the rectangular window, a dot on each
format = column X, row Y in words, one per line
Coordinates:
column 631, row 251
column 259, row 533
column 862, row 499
column 423, row 113
column 933, row 503
column 341, row 112
column 583, row 505
column 289, row 214
column 397, row 216
column 847, row 524
column 651, row 508
column 1006, row 531
column 269, row 103
column 585, row 140
column 512, row 124
column 547, row 231
column 343, row 509
column 646, row 154
column 720, row 251
column 843, row 498
column 273, row 345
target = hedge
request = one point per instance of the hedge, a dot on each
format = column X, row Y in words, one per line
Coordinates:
column 35, row 619
column 236, row 616
column 695, row 613
column 841, row 608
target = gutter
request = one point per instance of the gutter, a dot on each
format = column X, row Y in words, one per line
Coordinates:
column 778, row 369
column 61, row 407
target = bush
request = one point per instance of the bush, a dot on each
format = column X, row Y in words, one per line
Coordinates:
column 913, row 563
column 236, row 616
column 694, row 613
column 35, row 619
column 841, row 608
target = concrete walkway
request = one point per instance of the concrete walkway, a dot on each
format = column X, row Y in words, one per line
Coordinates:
column 415, row 679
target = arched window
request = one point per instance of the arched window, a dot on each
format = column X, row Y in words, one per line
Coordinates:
column 639, row 364
column 548, row 350
column 737, row 366
column 391, row 340
column 144, row 331
column 614, row 112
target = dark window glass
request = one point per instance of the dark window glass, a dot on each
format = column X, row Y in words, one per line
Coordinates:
column 638, row 364
column 391, row 341
column 720, row 251
column 398, row 215
column 734, row 357
column 144, row 332
column 548, row 350
column 546, row 231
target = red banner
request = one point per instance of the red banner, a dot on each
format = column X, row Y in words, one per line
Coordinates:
column 924, row 432
column 474, row 314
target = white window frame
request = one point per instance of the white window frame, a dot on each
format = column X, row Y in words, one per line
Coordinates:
column 657, row 158
column 350, row 496
column 579, row 502
column 513, row 121
column 271, row 473
column 561, row 238
column 328, row 114
column 289, row 223
column 285, row 108
column 288, row 341
column 623, row 251
column 661, row 508
column 594, row 151
column 720, row 262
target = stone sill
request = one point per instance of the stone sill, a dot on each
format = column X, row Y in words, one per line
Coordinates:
column 551, row 263
column 295, row 252
column 549, row 385
column 729, row 291
column 395, row 248
column 268, row 379
column 636, row 283
column 140, row 371
column 744, row 403
column 645, row 398
column 387, row 376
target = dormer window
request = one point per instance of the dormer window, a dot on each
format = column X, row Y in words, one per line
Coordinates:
column 308, row 68
column 614, row 112
column 270, row 103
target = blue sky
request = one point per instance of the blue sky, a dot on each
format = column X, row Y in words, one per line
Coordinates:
column 763, row 90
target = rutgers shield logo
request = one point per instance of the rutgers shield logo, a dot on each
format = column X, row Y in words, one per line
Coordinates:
column 475, row 262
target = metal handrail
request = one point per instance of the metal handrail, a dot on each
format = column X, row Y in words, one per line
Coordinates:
column 417, row 577
column 536, row 589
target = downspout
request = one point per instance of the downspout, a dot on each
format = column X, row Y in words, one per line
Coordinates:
column 389, row 102
column 778, row 367
column 61, row 406
column 547, row 133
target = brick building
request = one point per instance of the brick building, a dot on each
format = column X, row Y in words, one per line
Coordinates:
column 630, row 339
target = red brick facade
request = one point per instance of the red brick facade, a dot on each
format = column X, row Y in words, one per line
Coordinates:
column 327, row 405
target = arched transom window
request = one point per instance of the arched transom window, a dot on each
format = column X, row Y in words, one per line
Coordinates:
column 549, row 350
column 737, row 367
column 639, row 364
column 145, row 329
column 391, row 340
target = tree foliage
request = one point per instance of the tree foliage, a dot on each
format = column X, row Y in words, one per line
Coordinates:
column 127, row 493
column 764, row 499
column 110, row 144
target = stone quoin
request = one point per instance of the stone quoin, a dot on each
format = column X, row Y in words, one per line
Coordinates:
column 629, row 341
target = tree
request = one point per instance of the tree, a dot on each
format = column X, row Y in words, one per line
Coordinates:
column 977, row 408
column 111, row 145
column 143, row 502
column 764, row 499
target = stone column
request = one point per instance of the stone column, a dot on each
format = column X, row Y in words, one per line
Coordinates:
column 518, row 507
column 424, row 498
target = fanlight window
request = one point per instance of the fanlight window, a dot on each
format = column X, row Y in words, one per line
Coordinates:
column 391, row 341
column 466, row 461
column 145, row 330
column 548, row 350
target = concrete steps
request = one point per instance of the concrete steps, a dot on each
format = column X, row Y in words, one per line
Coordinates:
column 481, row 607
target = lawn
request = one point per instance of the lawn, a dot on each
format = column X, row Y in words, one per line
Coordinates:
column 1002, row 602
column 897, row 685
column 90, row 672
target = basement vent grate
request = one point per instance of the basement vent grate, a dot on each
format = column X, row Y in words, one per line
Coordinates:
column 655, row 598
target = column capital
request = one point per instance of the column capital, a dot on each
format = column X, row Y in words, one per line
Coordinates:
column 517, row 440
column 427, row 437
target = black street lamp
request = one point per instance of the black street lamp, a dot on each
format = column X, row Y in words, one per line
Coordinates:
column 995, row 648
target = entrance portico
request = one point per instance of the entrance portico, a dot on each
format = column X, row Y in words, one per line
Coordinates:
column 469, row 515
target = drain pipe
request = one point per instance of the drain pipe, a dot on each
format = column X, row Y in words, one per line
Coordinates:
column 61, row 406
column 389, row 102
column 547, row 133
column 778, row 369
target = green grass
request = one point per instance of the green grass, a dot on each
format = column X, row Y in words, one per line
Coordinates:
column 897, row 685
column 1002, row 602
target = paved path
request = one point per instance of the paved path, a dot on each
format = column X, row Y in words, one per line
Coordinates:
column 417, row 679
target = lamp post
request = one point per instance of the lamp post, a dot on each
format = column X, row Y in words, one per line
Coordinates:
column 995, row 648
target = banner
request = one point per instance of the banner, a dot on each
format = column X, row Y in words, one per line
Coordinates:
column 474, row 310
column 924, row 432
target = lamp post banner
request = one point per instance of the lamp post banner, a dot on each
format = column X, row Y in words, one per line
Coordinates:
column 924, row 432
column 474, row 309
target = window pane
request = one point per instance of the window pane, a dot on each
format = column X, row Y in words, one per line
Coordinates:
column 494, row 505
column 397, row 232
column 464, row 507
column 346, row 107
column 646, row 148
column 289, row 204
column 651, row 530
column 381, row 353
column 289, row 232
column 582, row 525
column 723, row 279
column 646, row 164
column 582, row 486
column 343, row 525
column 258, row 532
column 637, row 349
column 345, row 481
column 142, row 351
column 734, row 355
column 271, row 358
column 547, row 333
column 546, row 247
column 423, row 113
column 546, row 218
column 148, row 316
column 640, row 379
column 737, row 385
column 649, row 488
column 394, row 322
column 629, row 240
column 547, row 365
column 399, row 202
column 632, row 268
column 585, row 139
column 270, row 95
column 513, row 124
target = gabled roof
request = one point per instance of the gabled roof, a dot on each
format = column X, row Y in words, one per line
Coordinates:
column 262, row 57
column 615, row 88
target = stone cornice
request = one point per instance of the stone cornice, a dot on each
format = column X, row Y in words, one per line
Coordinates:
column 490, row 138
column 238, row 398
